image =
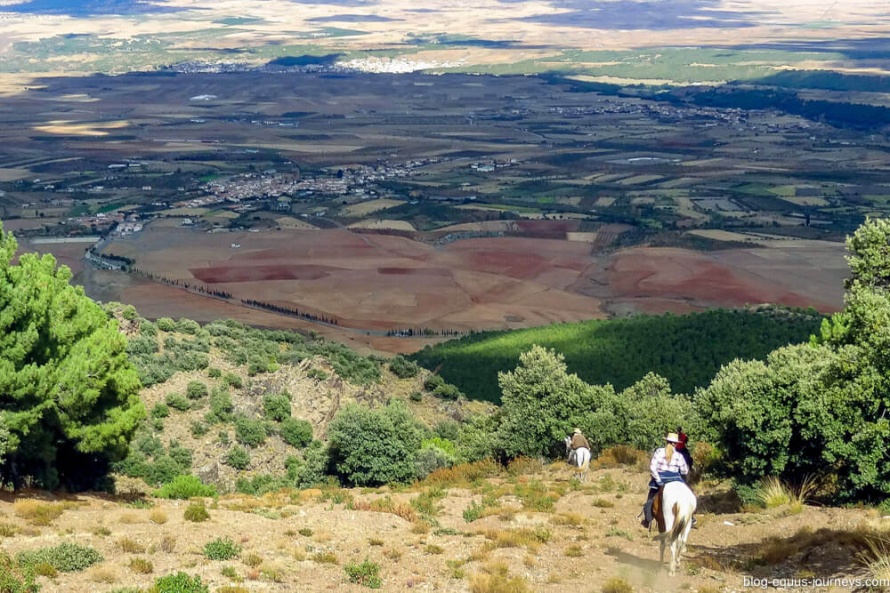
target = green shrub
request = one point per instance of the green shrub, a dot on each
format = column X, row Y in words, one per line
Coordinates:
column 163, row 470
column 432, row 382
column 416, row 396
column 187, row 326
column 473, row 512
column 317, row 374
column 177, row 402
column 142, row 346
column 196, row 390
column 196, row 512
column 185, row 487
column 249, row 432
column 221, row 407
column 199, row 429
column 181, row 456
column 403, row 368
column 214, row 373
column 15, row 578
column 66, row 557
column 370, row 447
column 149, row 444
column 160, row 410
column 237, row 457
column 447, row 392
column 296, row 433
column 432, row 457
column 261, row 484
column 192, row 361
column 367, row 573
column 166, row 324
column 276, row 406
column 313, row 470
column 179, row 583
column 233, row 380
column 221, row 549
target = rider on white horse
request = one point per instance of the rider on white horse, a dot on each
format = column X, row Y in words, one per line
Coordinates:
column 667, row 465
column 579, row 441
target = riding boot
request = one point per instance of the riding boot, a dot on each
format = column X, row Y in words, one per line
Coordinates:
column 647, row 509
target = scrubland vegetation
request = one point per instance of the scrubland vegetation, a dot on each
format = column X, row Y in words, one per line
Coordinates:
column 285, row 427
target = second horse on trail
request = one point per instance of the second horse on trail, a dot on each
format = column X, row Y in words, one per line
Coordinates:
column 578, row 458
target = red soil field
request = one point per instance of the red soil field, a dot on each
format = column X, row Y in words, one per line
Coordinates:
column 371, row 283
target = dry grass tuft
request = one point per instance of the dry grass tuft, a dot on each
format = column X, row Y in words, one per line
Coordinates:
column 496, row 579
column 102, row 574
column 167, row 544
column 530, row 539
column 38, row 512
column 617, row 585
column 272, row 573
column 386, row 505
column 128, row 518
column 877, row 558
column 252, row 560
column 463, row 475
column 524, row 466
column 420, row 528
column 621, row 456
column 568, row 519
column 773, row 493
column 141, row 566
column 129, row 546
column 325, row 558
column 157, row 516
column 574, row 551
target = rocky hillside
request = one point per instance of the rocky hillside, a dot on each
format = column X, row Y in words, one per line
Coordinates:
column 230, row 403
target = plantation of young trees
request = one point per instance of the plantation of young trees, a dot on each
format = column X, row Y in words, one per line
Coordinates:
column 687, row 350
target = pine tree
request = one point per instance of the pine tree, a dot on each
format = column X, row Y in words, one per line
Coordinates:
column 69, row 399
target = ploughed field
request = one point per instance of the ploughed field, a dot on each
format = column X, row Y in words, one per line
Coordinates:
column 368, row 284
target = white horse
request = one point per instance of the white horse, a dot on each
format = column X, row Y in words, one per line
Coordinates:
column 678, row 505
column 579, row 459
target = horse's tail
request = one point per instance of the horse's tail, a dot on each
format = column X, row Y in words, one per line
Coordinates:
column 583, row 459
column 682, row 518
column 682, row 514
